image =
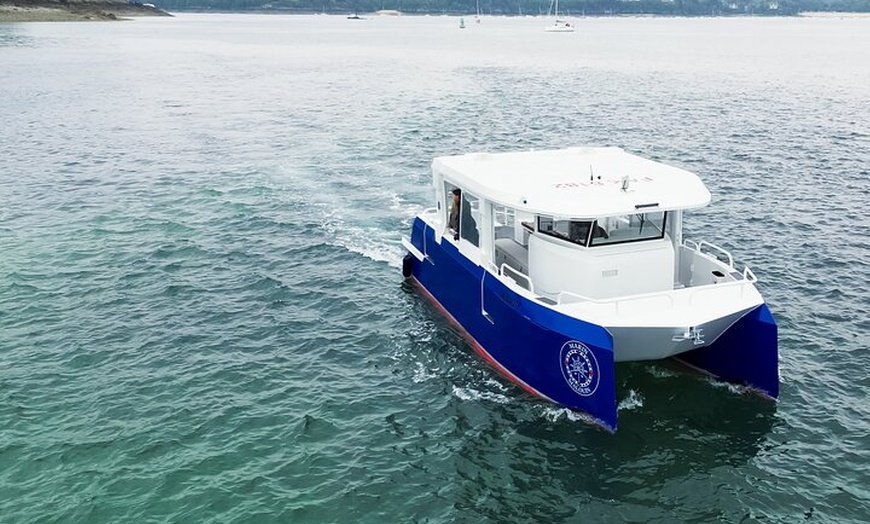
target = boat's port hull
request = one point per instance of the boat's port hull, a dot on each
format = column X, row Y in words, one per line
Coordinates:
column 524, row 340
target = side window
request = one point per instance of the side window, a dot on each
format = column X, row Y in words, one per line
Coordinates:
column 575, row 231
column 503, row 221
column 630, row 228
column 468, row 217
column 545, row 224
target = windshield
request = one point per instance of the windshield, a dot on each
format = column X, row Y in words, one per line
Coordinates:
column 610, row 230
column 631, row 228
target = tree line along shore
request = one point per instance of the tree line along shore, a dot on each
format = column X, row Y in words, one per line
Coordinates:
column 69, row 10
column 572, row 8
column 74, row 10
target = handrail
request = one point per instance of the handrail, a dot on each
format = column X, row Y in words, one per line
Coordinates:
column 701, row 243
column 748, row 275
column 517, row 274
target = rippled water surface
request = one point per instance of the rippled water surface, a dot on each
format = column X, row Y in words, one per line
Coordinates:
column 201, row 312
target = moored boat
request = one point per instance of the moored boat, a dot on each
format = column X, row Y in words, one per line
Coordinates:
column 558, row 26
column 557, row 264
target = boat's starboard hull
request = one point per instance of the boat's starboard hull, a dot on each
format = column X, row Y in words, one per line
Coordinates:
column 745, row 354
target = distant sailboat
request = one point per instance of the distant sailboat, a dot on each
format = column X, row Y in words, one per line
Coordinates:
column 559, row 26
column 355, row 15
column 477, row 16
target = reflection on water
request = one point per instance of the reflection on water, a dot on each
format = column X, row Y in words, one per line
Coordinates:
column 13, row 35
column 669, row 437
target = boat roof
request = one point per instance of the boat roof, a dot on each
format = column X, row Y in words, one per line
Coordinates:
column 577, row 182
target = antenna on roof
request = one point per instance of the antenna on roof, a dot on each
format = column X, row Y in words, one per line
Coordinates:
column 591, row 175
column 625, row 183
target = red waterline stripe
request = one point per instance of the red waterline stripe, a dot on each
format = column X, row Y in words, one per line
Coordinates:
column 747, row 387
column 589, row 419
column 476, row 345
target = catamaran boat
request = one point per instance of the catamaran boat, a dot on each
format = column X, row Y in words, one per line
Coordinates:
column 555, row 265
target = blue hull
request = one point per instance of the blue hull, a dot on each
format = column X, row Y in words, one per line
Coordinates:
column 745, row 354
column 555, row 356
column 560, row 358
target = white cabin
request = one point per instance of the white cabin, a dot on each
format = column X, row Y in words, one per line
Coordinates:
column 596, row 233
column 597, row 222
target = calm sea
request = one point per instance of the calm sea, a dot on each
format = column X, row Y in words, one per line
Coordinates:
column 201, row 312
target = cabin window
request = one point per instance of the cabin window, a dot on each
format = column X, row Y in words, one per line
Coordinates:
column 468, row 218
column 575, row 231
column 463, row 214
column 503, row 219
column 630, row 228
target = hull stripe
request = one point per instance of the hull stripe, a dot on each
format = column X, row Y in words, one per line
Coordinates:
column 746, row 387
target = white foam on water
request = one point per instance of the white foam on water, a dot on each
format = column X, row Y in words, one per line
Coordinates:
column 421, row 374
column 344, row 226
column 496, row 384
column 378, row 244
column 370, row 246
column 553, row 414
column 634, row 400
column 475, row 395
column 367, row 239
column 733, row 388
column 403, row 207
column 371, row 242
column 660, row 372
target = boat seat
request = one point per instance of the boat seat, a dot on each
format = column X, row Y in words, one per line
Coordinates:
column 509, row 251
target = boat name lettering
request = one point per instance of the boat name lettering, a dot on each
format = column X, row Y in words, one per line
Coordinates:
column 580, row 368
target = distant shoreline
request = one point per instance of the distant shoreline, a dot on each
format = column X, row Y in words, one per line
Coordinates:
column 833, row 14
column 377, row 14
column 110, row 10
column 83, row 11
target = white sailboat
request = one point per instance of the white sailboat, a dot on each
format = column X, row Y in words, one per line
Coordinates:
column 477, row 16
column 559, row 26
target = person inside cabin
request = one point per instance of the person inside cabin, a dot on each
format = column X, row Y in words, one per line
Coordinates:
column 460, row 217
column 578, row 231
column 598, row 231
column 453, row 221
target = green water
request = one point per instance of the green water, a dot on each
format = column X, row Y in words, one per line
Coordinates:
column 201, row 312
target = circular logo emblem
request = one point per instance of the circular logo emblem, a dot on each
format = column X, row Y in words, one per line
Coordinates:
column 580, row 368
